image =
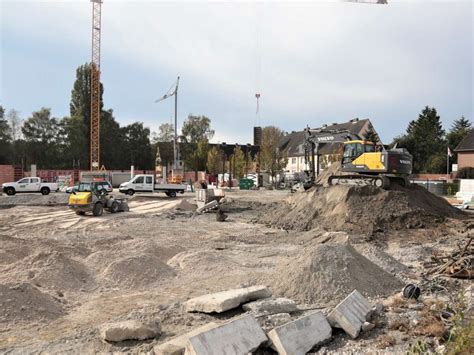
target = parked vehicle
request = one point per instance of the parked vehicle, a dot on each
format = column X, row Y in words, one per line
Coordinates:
column 85, row 186
column 30, row 184
column 146, row 183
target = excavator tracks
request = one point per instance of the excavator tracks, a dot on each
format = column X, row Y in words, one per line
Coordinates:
column 382, row 181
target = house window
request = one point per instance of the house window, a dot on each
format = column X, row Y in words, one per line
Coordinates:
column 293, row 160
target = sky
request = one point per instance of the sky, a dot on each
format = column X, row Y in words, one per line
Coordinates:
column 312, row 62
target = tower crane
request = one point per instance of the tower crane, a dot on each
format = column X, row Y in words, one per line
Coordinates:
column 95, row 86
column 173, row 91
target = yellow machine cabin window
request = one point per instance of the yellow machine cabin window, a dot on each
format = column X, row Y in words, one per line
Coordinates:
column 352, row 151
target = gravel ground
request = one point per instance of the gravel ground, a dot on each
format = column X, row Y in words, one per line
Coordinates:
column 62, row 275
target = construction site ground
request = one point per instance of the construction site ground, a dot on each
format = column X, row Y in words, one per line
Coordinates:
column 62, row 276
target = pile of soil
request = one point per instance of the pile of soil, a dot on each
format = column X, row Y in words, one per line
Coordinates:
column 137, row 271
column 186, row 205
column 360, row 209
column 24, row 302
column 327, row 273
column 202, row 261
column 55, row 270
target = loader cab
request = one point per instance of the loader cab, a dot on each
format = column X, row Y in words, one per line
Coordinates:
column 354, row 149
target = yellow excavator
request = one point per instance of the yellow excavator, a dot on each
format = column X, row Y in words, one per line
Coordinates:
column 363, row 162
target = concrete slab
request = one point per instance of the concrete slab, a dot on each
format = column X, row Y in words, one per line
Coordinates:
column 130, row 330
column 237, row 337
column 301, row 335
column 177, row 345
column 225, row 300
column 351, row 314
column 269, row 306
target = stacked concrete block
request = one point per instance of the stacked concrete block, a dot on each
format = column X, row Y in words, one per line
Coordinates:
column 300, row 336
column 238, row 337
column 351, row 314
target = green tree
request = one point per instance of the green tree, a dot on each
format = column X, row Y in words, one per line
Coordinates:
column 196, row 132
column 165, row 134
column 114, row 153
column 424, row 139
column 214, row 160
column 238, row 163
column 80, row 106
column 197, row 128
column 138, row 146
column 163, row 142
column 459, row 129
column 272, row 159
column 5, row 139
column 15, row 122
column 371, row 135
column 73, row 133
column 41, row 133
column 195, row 156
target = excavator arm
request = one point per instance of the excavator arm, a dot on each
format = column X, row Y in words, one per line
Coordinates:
column 313, row 139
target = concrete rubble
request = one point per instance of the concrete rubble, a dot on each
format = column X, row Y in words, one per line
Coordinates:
column 223, row 301
column 301, row 335
column 351, row 314
column 239, row 336
column 130, row 330
column 177, row 345
column 270, row 306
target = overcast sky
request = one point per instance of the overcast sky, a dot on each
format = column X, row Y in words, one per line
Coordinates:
column 313, row 62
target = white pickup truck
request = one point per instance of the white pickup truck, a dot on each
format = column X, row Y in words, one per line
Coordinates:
column 30, row 184
column 146, row 183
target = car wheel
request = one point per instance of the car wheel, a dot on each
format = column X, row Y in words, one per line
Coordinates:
column 172, row 194
column 98, row 209
column 10, row 191
column 44, row 191
column 130, row 192
column 114, row 207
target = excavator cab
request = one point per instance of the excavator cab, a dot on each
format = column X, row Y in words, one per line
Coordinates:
column 362, row 156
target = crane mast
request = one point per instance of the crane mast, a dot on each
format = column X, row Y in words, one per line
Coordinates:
column 95, row 86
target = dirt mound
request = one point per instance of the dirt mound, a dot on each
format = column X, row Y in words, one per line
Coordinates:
column 360, row 209
column 186, row 205
column 57, row 271
column 335, row 168
column 24, row 302
column 327, row 273
column 202, row 261
column 138, row 271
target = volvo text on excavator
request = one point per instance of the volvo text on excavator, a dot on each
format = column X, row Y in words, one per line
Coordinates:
column 362, row 163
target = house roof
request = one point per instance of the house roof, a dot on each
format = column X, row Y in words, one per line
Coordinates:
column 293, row 142
column 467, row 143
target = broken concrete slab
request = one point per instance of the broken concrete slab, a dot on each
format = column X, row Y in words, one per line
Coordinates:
column 237, row 337
column 225, row 300
column 351, row 314
column 130, row 330
column 269, row 306
column 177, row 345
column 301, row 335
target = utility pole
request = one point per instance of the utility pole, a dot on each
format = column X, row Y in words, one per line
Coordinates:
column 173, row 91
